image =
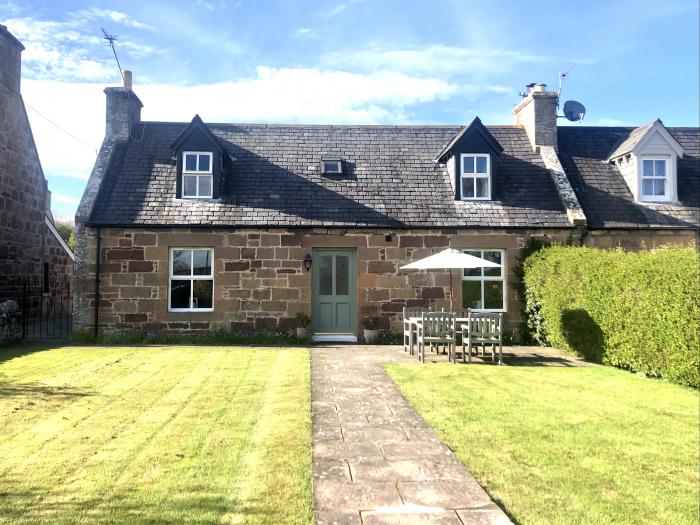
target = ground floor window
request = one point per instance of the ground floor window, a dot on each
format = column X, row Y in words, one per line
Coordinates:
column 191, row 280
column 484, row 288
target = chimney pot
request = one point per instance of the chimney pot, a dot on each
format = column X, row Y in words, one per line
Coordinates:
column 539, row 88
column 128, row 83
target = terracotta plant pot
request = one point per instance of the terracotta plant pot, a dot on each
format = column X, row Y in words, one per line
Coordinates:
column 370, row 336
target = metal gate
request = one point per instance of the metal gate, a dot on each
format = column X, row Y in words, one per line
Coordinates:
column 45, row 311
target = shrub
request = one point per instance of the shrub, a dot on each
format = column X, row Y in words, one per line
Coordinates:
column 370, row 323
column 633, row 310
column 302, row 320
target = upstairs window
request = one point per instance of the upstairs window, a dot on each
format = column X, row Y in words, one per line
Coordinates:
column 475, row 176
column 654, row 179
column 197, row 174
column 332, row 167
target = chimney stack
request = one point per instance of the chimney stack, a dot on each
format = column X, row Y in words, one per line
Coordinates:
column 123, row 110
column 537, row 113
column 10, row 60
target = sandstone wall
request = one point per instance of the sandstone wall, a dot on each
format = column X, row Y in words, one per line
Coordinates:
column 259, row 278
column 638, row 239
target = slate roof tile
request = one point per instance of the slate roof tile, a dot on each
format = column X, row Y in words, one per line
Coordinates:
column 603, row 192
column 392, row 180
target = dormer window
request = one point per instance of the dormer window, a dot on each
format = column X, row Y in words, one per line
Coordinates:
column 654, row 179
column 332, row 167
column 197, row 174
column 475, row 176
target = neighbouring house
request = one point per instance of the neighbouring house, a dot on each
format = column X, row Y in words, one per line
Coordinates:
column 200, row 226
column 31, row 249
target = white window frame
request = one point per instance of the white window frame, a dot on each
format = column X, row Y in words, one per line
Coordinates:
column 667, row 178
column 190, row 278
column 337, row 162
column 474, row 176
column 198, row 173
column 485, row 278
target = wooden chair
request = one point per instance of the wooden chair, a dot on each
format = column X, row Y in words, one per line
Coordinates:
column 482, row 329
column 408, row 313
column 436, row 328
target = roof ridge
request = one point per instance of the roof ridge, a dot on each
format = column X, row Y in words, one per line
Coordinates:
column 279, row 125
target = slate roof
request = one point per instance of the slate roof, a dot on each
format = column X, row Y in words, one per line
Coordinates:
column 602, row 190
column 391, row 180
column 627, row 143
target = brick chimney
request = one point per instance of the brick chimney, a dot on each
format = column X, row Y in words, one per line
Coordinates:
column 123, row 110
column 10, row 60
column 537, row 113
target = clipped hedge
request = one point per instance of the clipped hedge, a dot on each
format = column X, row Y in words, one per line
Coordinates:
column 633, row 310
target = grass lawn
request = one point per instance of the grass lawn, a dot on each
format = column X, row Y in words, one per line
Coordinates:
column 566, row 445
column 155, row 434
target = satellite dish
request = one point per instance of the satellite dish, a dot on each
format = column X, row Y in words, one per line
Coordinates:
column 574, row 111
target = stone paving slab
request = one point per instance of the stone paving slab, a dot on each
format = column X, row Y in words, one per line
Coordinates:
column 375, row 461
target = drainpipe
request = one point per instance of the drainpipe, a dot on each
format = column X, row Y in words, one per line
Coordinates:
column 97, row 282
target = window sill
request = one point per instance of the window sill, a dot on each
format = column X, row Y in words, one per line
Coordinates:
column 475, row 199
column 660, row 201
column 189, row 310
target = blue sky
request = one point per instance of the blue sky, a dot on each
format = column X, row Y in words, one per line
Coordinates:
column 352, row 61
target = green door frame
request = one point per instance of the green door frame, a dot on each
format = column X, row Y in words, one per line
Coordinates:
column 334, row 294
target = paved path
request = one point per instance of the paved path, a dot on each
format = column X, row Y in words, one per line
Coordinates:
column 375, row 460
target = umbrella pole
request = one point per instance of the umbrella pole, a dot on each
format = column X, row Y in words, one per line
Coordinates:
column 452, row 293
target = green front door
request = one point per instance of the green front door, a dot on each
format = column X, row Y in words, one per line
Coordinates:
column 334, row 310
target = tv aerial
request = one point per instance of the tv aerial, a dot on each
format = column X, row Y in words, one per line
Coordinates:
column 574, row 111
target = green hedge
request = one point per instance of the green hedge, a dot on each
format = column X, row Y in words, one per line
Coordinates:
column 634, row 310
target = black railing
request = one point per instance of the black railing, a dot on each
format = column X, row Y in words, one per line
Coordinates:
column 45, row 311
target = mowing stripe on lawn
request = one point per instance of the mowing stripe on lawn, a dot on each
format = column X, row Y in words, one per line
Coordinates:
column 195, row 435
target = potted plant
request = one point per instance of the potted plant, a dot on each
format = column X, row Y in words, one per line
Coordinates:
column 303, row 321
column 370, row 331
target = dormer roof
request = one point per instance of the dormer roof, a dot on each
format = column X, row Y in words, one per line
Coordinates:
column 639, row 136
column 474, row 128
column 196, row 124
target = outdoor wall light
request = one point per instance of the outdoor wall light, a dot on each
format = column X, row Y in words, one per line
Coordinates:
column 307, row 261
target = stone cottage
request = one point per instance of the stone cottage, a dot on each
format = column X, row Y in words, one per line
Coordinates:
column 30, row 246
column 200, row 226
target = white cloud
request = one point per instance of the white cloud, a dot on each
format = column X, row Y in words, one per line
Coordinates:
column 95, row 13
column 65, row 199
column 435, row 59
column 337, row 9
column 296, row 95
column 66, row 50
column 271, row 95
column 77, row 107
column 303, row 31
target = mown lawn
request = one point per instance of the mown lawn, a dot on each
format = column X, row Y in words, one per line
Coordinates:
column 567, row 445
column 155, row 434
